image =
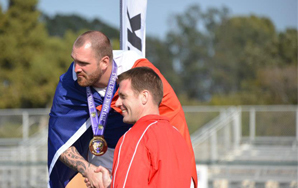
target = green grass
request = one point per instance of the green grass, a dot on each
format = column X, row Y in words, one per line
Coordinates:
column 196, row 120
column 15, row 130
column 267, row 123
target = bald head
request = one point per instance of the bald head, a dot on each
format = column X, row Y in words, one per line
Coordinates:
column 99, row 42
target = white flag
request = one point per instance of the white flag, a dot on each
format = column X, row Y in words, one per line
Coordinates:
column 133, row 25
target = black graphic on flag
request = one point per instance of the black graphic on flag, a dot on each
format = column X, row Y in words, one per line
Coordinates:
column 135, row 24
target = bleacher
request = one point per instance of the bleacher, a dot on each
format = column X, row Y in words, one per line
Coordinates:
column 234, row 161
column 23, row 161
column 228, row 158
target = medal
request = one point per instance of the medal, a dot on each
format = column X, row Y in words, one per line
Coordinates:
column 98, row 145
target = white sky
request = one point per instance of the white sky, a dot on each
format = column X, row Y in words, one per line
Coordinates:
column 283, row 13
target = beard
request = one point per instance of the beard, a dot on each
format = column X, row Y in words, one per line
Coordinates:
column 88, row 80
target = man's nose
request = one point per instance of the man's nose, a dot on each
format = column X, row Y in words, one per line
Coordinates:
column 77, row 67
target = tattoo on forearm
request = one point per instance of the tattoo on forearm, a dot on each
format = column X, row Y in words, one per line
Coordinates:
column 72, row 158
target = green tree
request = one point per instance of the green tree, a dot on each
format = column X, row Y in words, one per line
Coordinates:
column 253, row 64
column 287, row 46
column 239, row 45
column 159, row 54
column 31, row 62
column 190, row 41
column 279, row 85
column 21, row 38
column 229, row 59
column 60, row 24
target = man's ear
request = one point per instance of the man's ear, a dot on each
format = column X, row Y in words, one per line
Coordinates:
column 104, row 62
column 145, row 96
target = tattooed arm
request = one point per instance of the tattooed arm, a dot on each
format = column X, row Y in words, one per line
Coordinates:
column 72, row 158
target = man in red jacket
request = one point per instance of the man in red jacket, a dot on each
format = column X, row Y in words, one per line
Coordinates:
column 152, row 153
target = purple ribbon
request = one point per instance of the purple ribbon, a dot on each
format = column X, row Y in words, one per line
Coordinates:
column 98, row 124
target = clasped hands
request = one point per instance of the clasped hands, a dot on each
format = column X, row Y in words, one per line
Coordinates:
column 98, row 177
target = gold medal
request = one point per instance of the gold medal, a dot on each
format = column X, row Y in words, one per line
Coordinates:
column 98, row 145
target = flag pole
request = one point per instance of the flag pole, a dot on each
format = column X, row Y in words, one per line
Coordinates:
column 121, row 25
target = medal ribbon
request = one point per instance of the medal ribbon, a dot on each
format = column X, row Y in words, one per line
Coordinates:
column 98, row 124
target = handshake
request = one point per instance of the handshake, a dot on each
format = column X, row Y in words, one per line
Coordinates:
column 98, row 177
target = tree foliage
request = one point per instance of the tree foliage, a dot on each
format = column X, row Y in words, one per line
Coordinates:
column 208, row 56
column 31, row 61
column 248, row 51
column 224, row 60
column 159, row 54
column 22, row 38
column 59, row 24
column 192, row 49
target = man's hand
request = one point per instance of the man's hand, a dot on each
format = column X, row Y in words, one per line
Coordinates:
column 102, row 174
column 95, row 178
column 72, row 158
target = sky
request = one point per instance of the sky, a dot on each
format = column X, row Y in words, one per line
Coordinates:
column 283, row 13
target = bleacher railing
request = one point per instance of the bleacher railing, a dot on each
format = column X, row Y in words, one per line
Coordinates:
column 218, row 137
column 248, row 146
column 223, row 132
column 23, row 155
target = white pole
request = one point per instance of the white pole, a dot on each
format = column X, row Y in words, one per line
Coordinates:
column 214, row 156
column 227, row 137
column 25, row 125
column 252, row 124
column 297, row 125
column 121, row 25
column 236, row 126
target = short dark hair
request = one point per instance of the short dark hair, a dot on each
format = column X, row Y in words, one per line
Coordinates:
column 100, row 43
column 144, row 78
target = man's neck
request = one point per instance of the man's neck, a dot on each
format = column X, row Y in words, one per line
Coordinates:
column 153, row 110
